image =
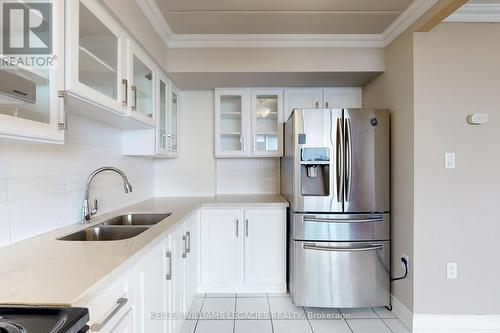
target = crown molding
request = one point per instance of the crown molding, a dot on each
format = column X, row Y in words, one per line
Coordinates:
column 278, row 40
column 406, row 19
column 403, row 22
column 484, row 13
column 152, row 12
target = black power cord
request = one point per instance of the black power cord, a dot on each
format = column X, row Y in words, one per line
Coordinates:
column 403, row 260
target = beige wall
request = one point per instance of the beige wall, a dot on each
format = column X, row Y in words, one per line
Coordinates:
column 394, row 90
column 132, row 17
column 457, row 72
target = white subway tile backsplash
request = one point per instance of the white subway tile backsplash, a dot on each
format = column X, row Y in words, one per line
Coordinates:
column 5, row 224
column 41, row 186
column 31, row 217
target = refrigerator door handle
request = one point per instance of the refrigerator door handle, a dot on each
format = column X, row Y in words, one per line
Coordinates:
column 373, row 247
column 348, row 159
column 363, row 220
column 340, row 160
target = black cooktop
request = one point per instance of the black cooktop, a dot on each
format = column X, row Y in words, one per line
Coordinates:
column 42, row 320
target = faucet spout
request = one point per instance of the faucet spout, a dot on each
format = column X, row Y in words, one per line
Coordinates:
column 87, row 210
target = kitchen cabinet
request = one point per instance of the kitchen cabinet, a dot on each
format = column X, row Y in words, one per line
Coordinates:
column 302, row 98
column 43, row 120
column 243, row 250
column 173, row 121
column 221, row 247
column 247, row 122
column 231, row 122
column 192, row 256
column 265, row 239
column 317, row 98
column 267, row 112
column 96, row 55
column 152, row 291
column 160, row 141
column 113, row 310
column 142, row 75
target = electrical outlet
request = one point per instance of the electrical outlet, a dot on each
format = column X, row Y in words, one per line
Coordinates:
column 451, row 270
column 449, row 160
column 407, row 261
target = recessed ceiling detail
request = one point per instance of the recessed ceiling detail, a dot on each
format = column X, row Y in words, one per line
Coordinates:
column 281, row 16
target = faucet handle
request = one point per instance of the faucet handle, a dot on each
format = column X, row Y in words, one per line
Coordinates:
column 93, row 211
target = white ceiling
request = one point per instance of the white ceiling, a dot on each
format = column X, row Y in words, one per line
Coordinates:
column 281, row 16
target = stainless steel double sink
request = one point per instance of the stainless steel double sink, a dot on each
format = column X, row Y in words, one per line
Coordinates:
column 117, row 228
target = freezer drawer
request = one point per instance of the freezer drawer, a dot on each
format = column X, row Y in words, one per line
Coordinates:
column 341, row 227
column 338, row 274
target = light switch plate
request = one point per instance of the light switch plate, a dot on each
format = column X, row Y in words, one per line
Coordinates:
column 449, row 160
column 451, row 270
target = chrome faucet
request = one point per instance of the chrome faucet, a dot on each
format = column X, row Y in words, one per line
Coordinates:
column 87, row 211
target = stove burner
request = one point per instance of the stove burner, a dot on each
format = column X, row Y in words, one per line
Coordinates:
column 6, row 327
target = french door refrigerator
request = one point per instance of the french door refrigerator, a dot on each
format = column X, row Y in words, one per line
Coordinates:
column 335, row 173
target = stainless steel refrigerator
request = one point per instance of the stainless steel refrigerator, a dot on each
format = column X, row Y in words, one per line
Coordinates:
column 335, row 173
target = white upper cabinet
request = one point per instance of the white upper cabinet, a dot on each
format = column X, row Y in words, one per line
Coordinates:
column 248, row 122
column 142, row 80
column 173, row 121
column 96, row 59
column 231, row 122
column 302, row 98
column 321, row 98
column 267, row 112
column 339, row 98
column 42, row 119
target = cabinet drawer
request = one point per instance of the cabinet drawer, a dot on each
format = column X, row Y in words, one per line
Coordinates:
column 111, row 305
column 340, row 274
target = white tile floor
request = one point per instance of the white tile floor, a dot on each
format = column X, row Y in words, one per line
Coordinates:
column 275, row 313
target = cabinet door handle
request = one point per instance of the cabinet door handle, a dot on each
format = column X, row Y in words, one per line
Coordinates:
column 134, row 91
column 246, row 227
column 188, row 235
column 326, row 105
column 237, row 227
column 317, row 105
column 184, row 239
column 168, row 276
column 244, row 144
column 120, row 303
column 62, row 124
column 254, row 144
column 125, row 92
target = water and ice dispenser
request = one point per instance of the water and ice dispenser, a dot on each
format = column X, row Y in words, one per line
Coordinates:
column 315, row 171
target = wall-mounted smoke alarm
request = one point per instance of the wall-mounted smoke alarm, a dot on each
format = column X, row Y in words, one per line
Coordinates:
column 477, row 119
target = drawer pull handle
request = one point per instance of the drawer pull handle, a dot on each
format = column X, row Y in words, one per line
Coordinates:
column 120, row 303
column 184, row 240
column 373, row 247
column 188, row 247
column 318, row 219
column 168, row 276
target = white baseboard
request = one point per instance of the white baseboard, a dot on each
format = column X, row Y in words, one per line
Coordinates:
column 402, row 312
column 427, row 323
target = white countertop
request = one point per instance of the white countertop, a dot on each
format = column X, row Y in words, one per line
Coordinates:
column 45, row 271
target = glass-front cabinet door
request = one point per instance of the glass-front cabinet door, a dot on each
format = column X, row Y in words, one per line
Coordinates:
column 267, row 109
column 231, row 113
column 142, row 78
column 95, row 61
column 162, row 124
column 173, row 121
column 30, row 107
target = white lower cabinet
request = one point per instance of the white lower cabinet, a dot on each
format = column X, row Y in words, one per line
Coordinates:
column 113, row 310
column 152, row 291
column 243, row 250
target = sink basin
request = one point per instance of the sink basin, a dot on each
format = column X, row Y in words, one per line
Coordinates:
column 105, row 233
column 136, row 219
